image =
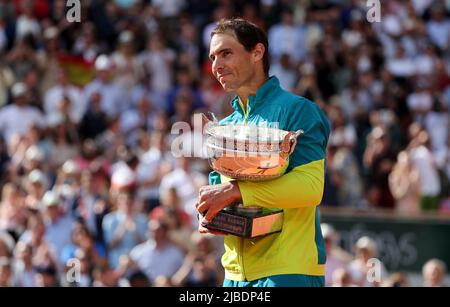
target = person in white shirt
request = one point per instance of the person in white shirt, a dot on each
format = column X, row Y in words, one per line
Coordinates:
column 287, row 38
column 26, row 22
column 55, row 95
column 111, row 94
column 438, row 28
column 17, row 118
column 157, row 256
column 424, row 161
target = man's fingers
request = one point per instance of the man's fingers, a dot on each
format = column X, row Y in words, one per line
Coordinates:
column 210, row 215
column 202, row 207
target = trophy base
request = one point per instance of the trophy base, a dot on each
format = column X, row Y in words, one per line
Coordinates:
column 247, row 223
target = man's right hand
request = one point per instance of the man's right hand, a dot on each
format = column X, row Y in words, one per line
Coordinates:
column 203, row 229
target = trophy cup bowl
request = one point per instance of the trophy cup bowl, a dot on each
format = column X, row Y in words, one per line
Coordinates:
column 248, row 153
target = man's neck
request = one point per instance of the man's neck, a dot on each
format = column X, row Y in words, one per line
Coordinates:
column 251, row 89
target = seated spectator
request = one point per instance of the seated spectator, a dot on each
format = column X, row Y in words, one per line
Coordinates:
column 433, row 273
column 365, row 266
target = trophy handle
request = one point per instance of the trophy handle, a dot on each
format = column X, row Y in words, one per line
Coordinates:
column 208, row 123
column 290, row 141
column 213, row 119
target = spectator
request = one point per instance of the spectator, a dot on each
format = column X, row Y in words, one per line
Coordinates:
column 157, row 256
column 110, row 93
column 24, row 271
column 287, row 37
column 336, row 257
column 425, row 163
column 404, row 183
column 366, row 250
column 55, row 95
column 95, row 120
column 433, row 273
column 124, row 228
column 57, row 222
column 18, row 117
column 46, row 276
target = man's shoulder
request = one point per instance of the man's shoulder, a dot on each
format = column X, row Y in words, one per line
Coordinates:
column 291, row 103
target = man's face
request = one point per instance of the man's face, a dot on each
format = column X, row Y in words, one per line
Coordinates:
column 232, row 65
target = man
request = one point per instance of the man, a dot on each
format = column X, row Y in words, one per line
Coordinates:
column 296, row 255
column 433, row 272
column 18, row 117
column 157, row 256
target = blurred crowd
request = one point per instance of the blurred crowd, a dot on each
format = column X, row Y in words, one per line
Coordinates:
column 361, row 267
column 91, row 194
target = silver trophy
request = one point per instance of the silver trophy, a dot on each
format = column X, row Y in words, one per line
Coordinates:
column 248, row 153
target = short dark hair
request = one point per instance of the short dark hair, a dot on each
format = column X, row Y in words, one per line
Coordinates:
column 247, row 33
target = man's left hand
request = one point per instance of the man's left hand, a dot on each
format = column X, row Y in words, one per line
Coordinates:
column 213, row 198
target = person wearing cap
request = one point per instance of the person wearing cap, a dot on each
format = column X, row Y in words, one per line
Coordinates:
column 36, row 185
column 58, row 223
column 34, row 157
column 365, row 266
column 18, row 117
column 111, row 93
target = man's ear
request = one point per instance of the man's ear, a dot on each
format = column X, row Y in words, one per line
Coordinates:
column 258, row 52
